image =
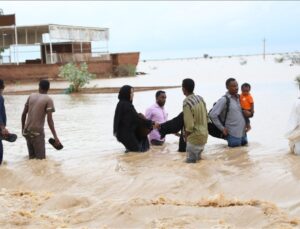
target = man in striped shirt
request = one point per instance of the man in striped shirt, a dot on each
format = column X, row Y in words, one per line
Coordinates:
column 195, row 122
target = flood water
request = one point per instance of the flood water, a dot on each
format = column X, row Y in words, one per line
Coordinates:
column 91, row 183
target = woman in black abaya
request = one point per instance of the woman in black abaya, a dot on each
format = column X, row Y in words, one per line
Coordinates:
column 131, row 128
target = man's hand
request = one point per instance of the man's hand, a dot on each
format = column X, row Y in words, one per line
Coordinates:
column 225, row 131
column 57, row 141
column 186, row 134
column 156, row 125
column 4, row 131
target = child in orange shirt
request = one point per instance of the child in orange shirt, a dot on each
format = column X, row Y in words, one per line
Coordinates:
column 247, row 104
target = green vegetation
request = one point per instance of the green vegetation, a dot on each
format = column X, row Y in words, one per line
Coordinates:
column 297, row 79
column 77, row 76
column 125, row 70
column 279, row 59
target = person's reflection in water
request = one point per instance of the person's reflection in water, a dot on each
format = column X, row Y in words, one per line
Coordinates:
column 131, row 128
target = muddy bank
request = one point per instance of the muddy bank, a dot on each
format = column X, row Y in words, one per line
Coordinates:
column 99, row 90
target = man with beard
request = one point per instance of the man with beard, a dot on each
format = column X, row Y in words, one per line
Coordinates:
column 157, row 114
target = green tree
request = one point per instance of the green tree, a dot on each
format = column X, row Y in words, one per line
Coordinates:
column 78, row 76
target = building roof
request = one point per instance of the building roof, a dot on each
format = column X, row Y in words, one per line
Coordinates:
column 33, row 34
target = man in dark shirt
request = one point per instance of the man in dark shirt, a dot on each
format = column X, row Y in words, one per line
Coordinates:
column 4, row 131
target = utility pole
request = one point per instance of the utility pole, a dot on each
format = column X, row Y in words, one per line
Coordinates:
column 264, row 48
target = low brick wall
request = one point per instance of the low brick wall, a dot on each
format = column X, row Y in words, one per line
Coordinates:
column 131, row 58
column 48, row 71
column 28, row 71
column 102, row 69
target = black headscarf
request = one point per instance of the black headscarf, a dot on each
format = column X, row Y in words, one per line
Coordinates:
column 124, row 96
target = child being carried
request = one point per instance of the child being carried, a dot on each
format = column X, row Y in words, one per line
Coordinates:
column 247, row 104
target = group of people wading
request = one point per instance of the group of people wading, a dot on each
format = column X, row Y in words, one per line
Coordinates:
column 230, row 115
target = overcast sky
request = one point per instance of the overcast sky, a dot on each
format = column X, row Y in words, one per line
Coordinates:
column 175, row 28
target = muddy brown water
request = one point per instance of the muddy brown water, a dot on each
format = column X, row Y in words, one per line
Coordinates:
column 91, row 183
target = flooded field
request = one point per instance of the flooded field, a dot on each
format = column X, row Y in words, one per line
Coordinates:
column 91, row 183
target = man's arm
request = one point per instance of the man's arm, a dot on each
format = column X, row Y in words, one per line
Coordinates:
column 216, row 111
column 24, row 114
column 4, row 131
column 23, row 118
column 188, row 120
column 51, row 126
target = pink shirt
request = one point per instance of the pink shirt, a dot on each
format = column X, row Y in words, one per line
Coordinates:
column 156, row 114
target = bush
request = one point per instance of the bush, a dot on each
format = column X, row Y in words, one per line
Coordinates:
column 243, row 62
column 77, row 76
column 205, row 55
column 279, row 59
column 297, row 79
column 125, row 70
column 295, row 59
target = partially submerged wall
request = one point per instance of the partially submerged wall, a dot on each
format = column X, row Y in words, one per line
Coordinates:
column 131, row 58
column 102, row 69
column 48, row 71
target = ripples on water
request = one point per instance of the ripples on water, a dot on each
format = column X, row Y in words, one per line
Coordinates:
column 92, row 183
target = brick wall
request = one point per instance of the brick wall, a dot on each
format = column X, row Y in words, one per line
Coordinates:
column 49, row 71
column 102, row 69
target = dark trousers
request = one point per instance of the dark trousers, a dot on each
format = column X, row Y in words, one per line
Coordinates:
column 157, row 143
column 132, row 143
column 174, row 126
column 1, row 151
column 36, row 147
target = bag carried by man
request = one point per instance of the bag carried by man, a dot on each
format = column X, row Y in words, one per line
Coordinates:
column 213, row 130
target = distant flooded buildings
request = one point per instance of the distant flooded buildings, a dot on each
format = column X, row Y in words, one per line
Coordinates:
column 56, row 45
